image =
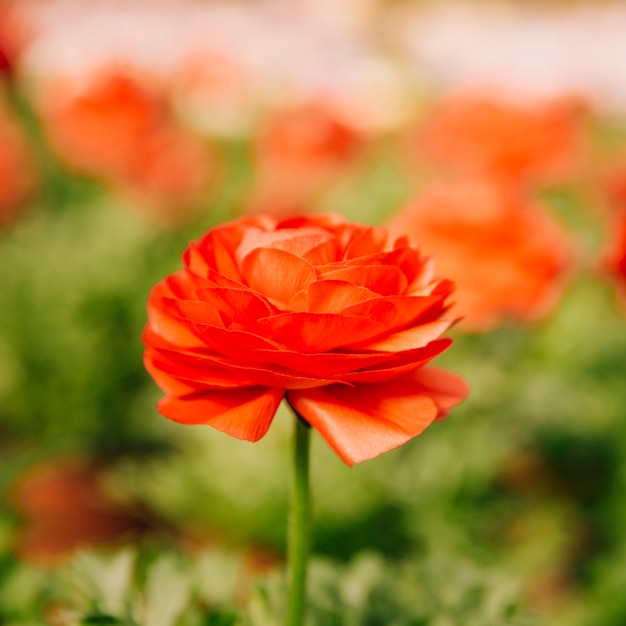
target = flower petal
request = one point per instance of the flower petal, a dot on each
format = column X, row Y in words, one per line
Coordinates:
column 165, row 319
column 408, row 260
column 405, row 362
column 366, row 240
column 238, row 307
column 318, row 332
column 245, row 413
column 325, row 252
column 187, row 311
column 328, row 365
column 194, row 261
column 332, row 296
column 385, row 280
column 363, row 421
column 182, row 370
column 213, row 371
column 236, row 344
column 219, row 246
column 277, row 274
column 397, row 312
column 167, row 383
column 408, row 339
column 446, row 388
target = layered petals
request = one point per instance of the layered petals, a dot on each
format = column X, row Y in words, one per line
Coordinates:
column 335, row 315
column 363, row 421
column 242, row 413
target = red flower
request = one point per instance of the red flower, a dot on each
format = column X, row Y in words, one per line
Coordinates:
column 63, row 505
column 299, row 152
column 509, row 259
column 119, row 129
column 524, row 141
column 16, row 168
column 613, row 257
column 15, row 33
column 325, row 313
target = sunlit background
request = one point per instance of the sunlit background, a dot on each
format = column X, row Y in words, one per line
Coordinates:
column 493, row 134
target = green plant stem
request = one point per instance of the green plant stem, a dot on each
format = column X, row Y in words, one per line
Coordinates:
column 299, row 525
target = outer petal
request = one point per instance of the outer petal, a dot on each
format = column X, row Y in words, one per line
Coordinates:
column 409, row 339
column 363, row 421
column 179, row 373
column 318, row 332
column 211, row 371
column 386, row 280
column 406, row 362
column 446, row 388
column 245, row 413
column 166, row 382
column 405, row 308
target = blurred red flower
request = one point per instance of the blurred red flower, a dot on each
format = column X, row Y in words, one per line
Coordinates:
column 615, row 187
column 298, row 152
column 508, row 258
column 613, row 257
column 523, row 141
column 64, row 505
column 331, row 315
column 14, row 35
column 17, row 175
column 119, row 129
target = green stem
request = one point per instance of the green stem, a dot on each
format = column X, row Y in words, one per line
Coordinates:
column 299, row 525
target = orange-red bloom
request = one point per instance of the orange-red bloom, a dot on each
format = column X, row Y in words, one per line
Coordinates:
column 119, row 129
column 298, row 152
column 16, row 168
column 331, row 315
column 64, row 505
column 521, row 141
column 508, row 258
column 14, row 35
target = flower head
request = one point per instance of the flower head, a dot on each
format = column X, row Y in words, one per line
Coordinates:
column 17, row 168
column 331, row 315
column 299, row 152
column 120, row 129
column 487, row 135
column 508, row 257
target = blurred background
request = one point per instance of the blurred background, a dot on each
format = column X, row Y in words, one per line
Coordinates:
column 492, row 133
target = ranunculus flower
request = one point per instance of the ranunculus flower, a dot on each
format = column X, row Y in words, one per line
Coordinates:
column 331, row 315
column 508, row 257
column 17, row 175
column 299, row 151
column 523, row 141
column 97, row 126
column 120, row 129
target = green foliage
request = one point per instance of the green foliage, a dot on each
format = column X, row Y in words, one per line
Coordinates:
column 175, row 590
